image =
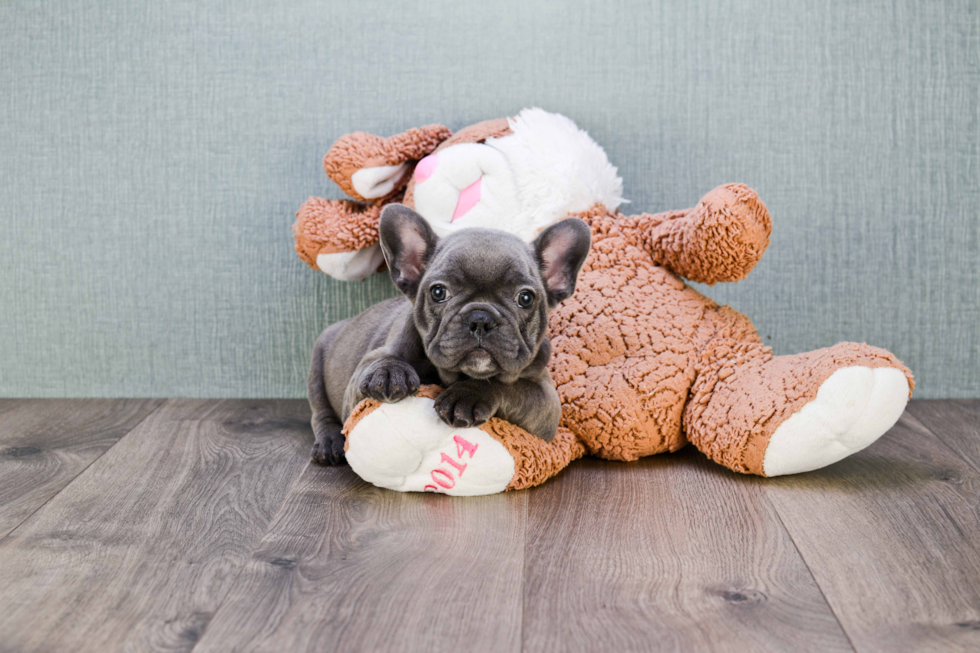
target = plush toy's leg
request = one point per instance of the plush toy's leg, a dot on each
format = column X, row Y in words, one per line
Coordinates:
column 760, row 414
column 406, row 447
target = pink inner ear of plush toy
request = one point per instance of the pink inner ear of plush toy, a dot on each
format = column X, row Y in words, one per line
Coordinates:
column 468, row 198
column 426, row 167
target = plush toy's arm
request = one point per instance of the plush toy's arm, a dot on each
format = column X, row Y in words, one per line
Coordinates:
column 721, row 239
column 369, row 167
column 339, row 237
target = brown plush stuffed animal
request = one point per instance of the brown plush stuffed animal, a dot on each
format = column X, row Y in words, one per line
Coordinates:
column 643, row 363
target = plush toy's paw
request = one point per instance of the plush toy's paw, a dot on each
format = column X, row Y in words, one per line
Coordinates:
column 467, row 403
column 406, row 447
column 853, row 408
column 389, row 381
column 351, row 266
column 339, row 237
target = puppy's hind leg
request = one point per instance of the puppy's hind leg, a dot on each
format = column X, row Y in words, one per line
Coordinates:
column 328, row 444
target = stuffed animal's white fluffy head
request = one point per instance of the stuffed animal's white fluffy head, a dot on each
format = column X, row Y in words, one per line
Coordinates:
column 544, row 170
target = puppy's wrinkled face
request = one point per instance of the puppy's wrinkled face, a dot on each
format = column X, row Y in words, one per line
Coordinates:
column 481, row 307
column 481, row 296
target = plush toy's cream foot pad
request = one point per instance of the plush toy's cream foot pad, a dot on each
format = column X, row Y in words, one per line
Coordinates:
column 406, row 447
column 853, row 408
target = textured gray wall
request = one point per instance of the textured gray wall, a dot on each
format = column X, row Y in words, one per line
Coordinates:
column 151, row 159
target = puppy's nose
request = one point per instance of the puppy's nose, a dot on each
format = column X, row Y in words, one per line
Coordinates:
column 480, row 323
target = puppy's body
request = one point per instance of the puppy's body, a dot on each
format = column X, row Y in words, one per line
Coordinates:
column 473, row 318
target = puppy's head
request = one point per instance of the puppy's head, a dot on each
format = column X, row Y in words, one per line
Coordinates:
column 481, row 296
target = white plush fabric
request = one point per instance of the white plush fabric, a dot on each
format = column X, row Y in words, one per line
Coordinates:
column 460, row 166
column 371, row 183
column 401, row 446
column 351, row 266
column 558, row 168
column 545, row 170
column 852, row 409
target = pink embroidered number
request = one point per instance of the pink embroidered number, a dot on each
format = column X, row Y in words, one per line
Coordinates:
column 460, row 467
column 451, row 481
column 462, row 444
column 445, row 478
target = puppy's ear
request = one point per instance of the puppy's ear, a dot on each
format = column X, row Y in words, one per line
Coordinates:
column 407, row 241
column 561, row 250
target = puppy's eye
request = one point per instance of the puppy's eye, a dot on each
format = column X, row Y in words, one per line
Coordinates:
column 525, row 299
column 439, row 293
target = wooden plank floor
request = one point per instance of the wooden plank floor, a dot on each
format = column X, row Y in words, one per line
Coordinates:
column 199, row 526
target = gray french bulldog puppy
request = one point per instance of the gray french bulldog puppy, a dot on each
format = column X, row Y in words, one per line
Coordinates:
column 474, row 318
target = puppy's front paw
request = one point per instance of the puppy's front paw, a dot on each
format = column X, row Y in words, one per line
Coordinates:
column 389, row 381
column 328, row 448
column 328, row 452
column 467, row 403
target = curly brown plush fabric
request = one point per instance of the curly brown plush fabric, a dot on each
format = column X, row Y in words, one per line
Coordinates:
column 478, row 133
column 623, row 348
column 330, row 226
column 721, row 239
column 535, row 461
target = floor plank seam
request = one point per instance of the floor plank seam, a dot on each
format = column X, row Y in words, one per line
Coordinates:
column 806, row 564
column 943, row 443
column 248, row 558
column 527, row 521
column 956, row 454
column 83, row 470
